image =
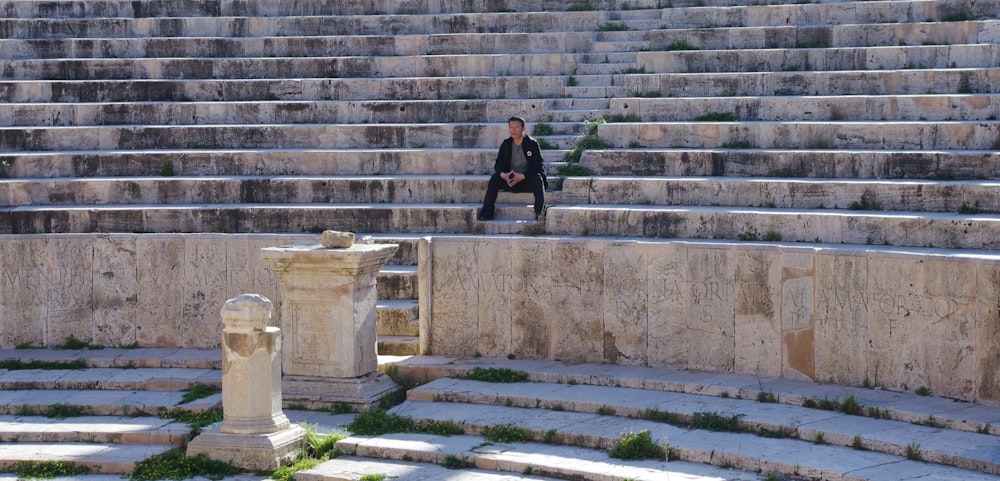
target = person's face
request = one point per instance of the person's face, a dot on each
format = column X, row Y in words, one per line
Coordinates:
column 515, row 129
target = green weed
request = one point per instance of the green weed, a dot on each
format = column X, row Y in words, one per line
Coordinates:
column 173, row 464
column 678, row 45
column 505, row 433
column 715, row 422
column 199, row 391
column 46, row 469
column 494, row 375
column 636, row 446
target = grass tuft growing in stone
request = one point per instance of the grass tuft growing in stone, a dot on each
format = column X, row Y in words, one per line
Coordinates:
column 45, row 469
column 199, row 391
column 505, row 433
column 63, row 411
column 494, row 374
column 606, row 411
column 713, row 421
column 318, row 448
column 631, row 446
column 766, row 397
column 173, row 464
column 72, row 343
column 377, row 421
column 195, row 419
column 678, row 45
column 542, row 128
column 454, row 462
column 17, row 364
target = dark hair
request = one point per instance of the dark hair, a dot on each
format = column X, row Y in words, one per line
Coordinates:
column 516, row 119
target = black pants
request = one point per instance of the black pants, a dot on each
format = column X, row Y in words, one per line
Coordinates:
column 531, row 183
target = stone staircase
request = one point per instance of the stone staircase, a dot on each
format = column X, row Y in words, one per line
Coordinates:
column 870, row 123
column 568, row 416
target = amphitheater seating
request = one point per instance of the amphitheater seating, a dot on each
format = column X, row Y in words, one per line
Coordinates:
column 870, row 123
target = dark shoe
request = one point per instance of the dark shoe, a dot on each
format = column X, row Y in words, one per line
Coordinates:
column 484, row 218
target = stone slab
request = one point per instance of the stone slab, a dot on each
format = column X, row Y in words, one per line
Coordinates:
column 849, row 315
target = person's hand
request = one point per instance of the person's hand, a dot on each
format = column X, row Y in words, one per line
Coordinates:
column 512, row 178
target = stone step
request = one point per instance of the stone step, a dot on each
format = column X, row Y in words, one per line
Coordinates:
column 297, row 67
column 186, row 90
column 441, row 189
column 349, row 468
column 241, row 218
column 93, row 429
column 158, row 8
column 742, row 451
column 257, row 136
column 506, row 461
column 939, row 430
column 99, row 457
column 822, row 163
column 296, row 44
column 718, row 84
column 125, row 403
column 805, row 108
column 296, row 112
column 937, row 444
column 829, row 226
column 788, row 84
column 399, row 317
column 826, row 36
column 900, row 405
column 147, row 379
column 405, row 14
column 795, row 134
column 828, row 13
column 200, row 360
column 195, row 162
column 394, row 35
column 397, row 282
column 596, row 66
column 926, row 195
column 608, row 47
column 855, row 194
column 823, row 135
column 808, row 59
column 843, row 226
column 398, row 345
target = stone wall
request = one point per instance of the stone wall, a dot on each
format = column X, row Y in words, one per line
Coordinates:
column 898, row 318
column 159, row 290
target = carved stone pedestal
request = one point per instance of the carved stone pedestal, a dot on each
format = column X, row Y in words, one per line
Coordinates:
column 328, row 317
column 255, row 434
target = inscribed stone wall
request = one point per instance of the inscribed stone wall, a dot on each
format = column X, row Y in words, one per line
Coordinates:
column 162, row 290
column 900, row 319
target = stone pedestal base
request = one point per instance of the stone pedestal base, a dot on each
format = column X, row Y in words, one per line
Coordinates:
column 324, row 392
column 253, row 452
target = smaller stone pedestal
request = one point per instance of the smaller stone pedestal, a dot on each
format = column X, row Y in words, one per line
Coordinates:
column 328, row 316
column 255, row 434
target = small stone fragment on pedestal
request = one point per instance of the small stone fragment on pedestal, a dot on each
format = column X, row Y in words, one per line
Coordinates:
column 255, row 434
column 337, row 240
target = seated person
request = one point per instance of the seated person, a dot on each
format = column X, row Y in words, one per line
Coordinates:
column 518, row 168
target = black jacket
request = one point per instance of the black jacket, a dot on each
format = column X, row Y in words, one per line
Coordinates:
column 532, row 153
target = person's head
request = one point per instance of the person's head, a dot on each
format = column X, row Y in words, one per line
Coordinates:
column 515, row 126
